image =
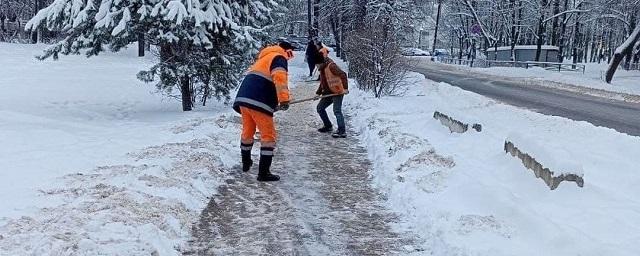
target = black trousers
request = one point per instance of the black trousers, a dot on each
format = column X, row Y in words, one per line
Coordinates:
column 312, row 66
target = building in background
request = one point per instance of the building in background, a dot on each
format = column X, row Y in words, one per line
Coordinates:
column 524, row 53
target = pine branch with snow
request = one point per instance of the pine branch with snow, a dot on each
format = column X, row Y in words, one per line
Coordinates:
column 193, row 36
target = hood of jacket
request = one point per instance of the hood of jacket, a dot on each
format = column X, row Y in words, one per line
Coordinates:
column 270, row 50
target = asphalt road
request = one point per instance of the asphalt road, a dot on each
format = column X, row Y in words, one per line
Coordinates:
column 619, row 115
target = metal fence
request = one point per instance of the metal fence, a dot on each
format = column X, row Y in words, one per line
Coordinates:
column 481, row 63
column 632, row 66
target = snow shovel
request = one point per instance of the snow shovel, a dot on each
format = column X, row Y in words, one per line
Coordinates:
column 314, row 98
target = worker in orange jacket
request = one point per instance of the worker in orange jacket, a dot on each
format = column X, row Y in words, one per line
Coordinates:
column 263, row 91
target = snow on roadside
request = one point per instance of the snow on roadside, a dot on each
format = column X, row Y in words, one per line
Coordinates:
column 591, row 82
column 471, row 198
column 92, row 162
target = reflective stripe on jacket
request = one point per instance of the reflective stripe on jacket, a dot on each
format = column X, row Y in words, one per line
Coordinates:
column 266, row 82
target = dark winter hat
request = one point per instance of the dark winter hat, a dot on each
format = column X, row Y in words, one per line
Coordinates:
column 285, row 45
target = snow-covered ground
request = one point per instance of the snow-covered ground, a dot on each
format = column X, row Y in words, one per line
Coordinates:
column 471, row 198
column 93, row 161
column 624, row 81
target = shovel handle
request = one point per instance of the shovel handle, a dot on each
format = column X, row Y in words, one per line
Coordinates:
column 314, row 98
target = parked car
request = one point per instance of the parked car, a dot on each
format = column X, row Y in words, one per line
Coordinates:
column 440, row 54
column 414, row 52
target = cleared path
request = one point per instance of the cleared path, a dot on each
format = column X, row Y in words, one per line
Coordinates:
column 324, row 204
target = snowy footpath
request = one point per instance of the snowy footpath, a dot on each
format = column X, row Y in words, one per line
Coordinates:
column 324, row 204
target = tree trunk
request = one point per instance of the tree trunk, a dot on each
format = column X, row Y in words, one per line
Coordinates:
column 141, row 44
column 540, row 37
column 629, row 54
column 461, row 41
column 554, row 25
column 514, row 38
column 621, row 51
column 541, row 30
column 435, row 33
column 185, row 91
column 576, row 39
column 335, row 25
column 316, row 18
column 562, row 39
column 2, row 19
column 35, row 34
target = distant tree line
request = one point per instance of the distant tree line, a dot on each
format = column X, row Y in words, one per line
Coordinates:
column 583, row 30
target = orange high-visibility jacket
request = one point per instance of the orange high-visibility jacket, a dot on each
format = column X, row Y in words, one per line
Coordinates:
column 266, row 83
column 332, row 79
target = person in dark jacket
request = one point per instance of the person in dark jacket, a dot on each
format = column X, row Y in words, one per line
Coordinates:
column 313, row 57
column 334, row 82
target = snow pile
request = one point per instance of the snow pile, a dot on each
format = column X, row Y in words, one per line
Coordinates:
column 94, row 163
column 471, row 198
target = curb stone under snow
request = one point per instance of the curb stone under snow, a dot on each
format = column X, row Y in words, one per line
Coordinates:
column 455, row 125
column 548, row 176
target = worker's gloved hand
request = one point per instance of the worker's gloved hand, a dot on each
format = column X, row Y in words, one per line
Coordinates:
column 284, row 106
column 316, row 97
column 346, row 92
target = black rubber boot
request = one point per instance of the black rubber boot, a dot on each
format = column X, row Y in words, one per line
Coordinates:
column 326, row 129
column 339, row 134
column 263, row 169
column 246, row 160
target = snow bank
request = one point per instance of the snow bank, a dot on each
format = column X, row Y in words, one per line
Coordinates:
column 470, row 198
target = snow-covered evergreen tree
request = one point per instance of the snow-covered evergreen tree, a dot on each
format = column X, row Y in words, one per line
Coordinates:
column 203, row 44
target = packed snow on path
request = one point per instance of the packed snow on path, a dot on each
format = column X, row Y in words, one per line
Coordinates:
column 93, row 161
column 468, row 197
column 627, row 82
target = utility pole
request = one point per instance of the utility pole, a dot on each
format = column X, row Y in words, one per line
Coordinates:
column 316, row 18
column 435, row 33
column 309, row 26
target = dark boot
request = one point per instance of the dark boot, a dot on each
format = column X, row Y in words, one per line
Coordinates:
column 339, row 134
column 246, row 160
column 264, row 174
column 326, row 129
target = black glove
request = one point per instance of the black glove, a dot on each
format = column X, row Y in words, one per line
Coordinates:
column 284, row 106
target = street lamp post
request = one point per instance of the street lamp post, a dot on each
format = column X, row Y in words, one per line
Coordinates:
column 309, row 26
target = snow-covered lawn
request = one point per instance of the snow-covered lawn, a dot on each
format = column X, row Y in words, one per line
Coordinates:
column 93, row 161
column 471, row 198
column 624, row 81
